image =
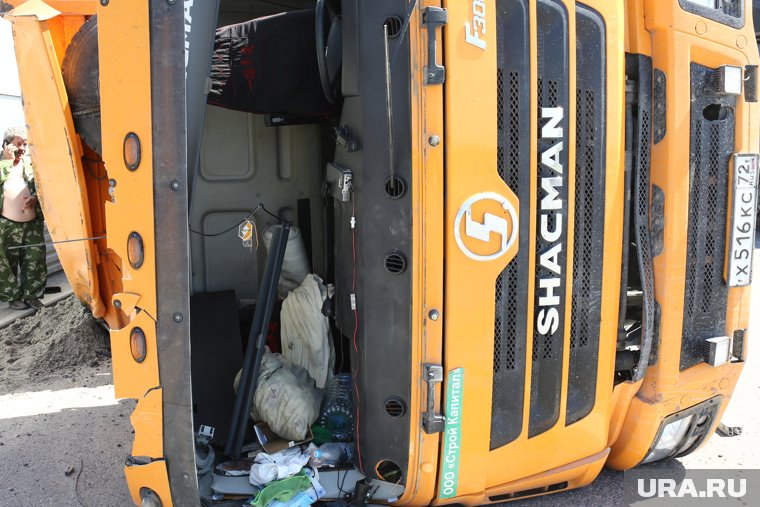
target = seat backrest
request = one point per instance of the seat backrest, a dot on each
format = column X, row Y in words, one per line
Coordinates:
column 268, row 66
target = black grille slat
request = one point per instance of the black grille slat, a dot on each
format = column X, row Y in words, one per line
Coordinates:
column 513, row 153
column 712, row 142
column 588, row 243
column 660, row 100
column 554, row 72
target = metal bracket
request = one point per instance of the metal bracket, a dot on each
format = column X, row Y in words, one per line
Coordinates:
column 729, row 431
column 139, row 460
column 432, row 19
column 344, row 139
column 339, row 182
column 432, row 422
column 737, row 346
column 750, row 83
column 205, row 434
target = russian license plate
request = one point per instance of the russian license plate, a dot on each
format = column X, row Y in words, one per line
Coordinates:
column 742, row 234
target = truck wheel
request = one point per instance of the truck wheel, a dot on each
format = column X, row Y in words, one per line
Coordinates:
column 81, row 76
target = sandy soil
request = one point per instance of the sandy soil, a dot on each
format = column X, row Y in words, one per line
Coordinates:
column 58, row 341
column 63, row 435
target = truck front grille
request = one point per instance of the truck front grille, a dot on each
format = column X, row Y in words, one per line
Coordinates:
column 712, row 143
column 514, row 323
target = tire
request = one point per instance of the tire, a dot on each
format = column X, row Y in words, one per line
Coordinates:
column 81, row 76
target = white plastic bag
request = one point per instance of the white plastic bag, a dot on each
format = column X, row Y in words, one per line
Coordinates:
column 286, row 398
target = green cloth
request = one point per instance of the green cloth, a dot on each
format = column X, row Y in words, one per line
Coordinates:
column 321, row 435
column 282, row 490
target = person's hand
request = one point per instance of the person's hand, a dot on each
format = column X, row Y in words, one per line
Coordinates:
column 9, row 152
column 29, row 203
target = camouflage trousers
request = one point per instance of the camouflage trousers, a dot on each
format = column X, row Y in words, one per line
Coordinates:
column 23, row 271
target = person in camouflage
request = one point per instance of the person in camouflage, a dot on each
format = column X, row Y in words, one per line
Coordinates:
column 23, row 271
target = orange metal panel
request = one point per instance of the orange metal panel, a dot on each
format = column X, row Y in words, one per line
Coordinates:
column 427, row 264
column 147, row 420
column 153, row 476
column 471, row 172
column 622, row 396
column 133, row 379
column 109, row 268
column 56, row 152
column 577, row 475
column 471, row 167
column 471, row 147
column 637, row 39
column 125, row 95
column 679, row 38
column 63, row 29
column 124, row 45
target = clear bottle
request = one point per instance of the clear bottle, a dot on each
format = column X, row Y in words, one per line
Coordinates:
column 333, row 454
column 337, row 414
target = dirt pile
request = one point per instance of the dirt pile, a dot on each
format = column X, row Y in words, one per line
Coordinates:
column 56, row 340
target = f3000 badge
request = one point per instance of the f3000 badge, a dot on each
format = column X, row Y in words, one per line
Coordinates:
column 475, row 31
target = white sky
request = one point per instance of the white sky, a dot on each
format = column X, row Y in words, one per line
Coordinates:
column 9, row 74
column 11, row 112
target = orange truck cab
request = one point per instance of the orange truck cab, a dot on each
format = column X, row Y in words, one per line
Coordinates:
column 536, row 219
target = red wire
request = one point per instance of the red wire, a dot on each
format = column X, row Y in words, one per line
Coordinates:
column 356, row 331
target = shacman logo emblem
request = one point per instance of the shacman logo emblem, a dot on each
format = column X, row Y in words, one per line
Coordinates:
column 476, row 240
column 245, row 232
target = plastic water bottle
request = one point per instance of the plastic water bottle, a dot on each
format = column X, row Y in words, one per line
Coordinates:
column 337, row 415
column 333, row 454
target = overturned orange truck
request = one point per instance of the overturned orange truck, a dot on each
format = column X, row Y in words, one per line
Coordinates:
column 538, row 217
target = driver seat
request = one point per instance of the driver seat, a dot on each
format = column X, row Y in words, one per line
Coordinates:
column 268, row 66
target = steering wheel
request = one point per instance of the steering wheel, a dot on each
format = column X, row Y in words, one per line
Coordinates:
column 329, row 34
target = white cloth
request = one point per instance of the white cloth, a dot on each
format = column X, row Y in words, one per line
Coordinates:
column 270, row 467
column 305, row 332
column 286, row 398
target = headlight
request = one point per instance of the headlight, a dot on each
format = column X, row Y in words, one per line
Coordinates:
column 670, row 438
column 684, row 431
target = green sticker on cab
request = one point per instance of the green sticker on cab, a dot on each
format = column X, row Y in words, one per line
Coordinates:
column 452, row 435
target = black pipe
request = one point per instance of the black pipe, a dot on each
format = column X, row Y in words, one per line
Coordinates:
column 256, row 341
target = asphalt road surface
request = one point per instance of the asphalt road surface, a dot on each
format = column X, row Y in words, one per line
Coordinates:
column 63, row 443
